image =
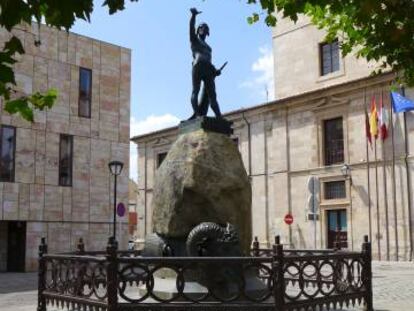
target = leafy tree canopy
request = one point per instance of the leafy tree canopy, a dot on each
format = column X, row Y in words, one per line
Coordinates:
column 379, row 30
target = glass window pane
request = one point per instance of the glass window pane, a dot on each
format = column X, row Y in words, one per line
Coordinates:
column 7, row 148
column 85, row 92
column 84, row 108
column 65, row 160
column 335, row 57
column 333, row 141
column 342, row 220
column 333, row 225
column 329, row 57
column 325, row 59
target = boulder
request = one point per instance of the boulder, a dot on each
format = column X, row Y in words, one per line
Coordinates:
column 202, row 179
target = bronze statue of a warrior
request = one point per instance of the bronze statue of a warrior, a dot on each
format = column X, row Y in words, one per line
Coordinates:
column 203, row 69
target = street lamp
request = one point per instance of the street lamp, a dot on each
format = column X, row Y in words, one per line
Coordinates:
column 346, row 172
column 115, row 167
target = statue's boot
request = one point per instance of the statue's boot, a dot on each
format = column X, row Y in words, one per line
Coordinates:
column 216, row 109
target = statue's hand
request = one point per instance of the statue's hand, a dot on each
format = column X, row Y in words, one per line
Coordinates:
column 218, row 72
column 194, row 11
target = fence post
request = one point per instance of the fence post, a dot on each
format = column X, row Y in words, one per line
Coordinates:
column 256, row 252
column 112, row 274
column 41, row 283
column 278, row 275
column 367, row 277
column 81, row 269
column 81, row 246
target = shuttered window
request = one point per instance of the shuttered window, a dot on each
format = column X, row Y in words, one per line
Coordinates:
column 329, row 55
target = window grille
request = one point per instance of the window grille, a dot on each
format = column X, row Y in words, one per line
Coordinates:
column 335, row 190
column 333, row 141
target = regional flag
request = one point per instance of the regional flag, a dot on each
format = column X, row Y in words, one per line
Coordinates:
column 383, row 122
column 373, row 119
column 367, row 127
column 400, row 103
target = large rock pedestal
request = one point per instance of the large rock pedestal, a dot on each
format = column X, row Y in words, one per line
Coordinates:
column 202, row 179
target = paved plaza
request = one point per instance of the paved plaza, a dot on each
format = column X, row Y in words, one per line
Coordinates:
column 393, row 289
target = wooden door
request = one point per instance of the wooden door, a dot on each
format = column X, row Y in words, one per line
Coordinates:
column 16, row 246
column 337, row 228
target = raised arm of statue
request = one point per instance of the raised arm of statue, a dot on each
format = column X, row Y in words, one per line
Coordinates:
column 194, row 13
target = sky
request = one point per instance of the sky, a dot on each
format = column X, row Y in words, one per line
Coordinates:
column 157, row 33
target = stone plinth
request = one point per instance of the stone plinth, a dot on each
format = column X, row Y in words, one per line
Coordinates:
column 202, row 179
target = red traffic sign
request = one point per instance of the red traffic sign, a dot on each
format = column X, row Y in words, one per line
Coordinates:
column 288, row 219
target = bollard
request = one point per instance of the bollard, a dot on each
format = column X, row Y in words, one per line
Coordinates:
column 278, row 275
column 112, row 274
column 41, row 300
column 367, row 273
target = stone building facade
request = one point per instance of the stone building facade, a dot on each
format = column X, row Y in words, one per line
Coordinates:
column 60, row 186
column 315, row 129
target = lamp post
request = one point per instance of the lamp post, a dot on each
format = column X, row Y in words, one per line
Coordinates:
column 115, row 167
column 346, row 172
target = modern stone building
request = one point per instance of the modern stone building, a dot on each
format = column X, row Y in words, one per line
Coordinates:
column 316, row 128
column 54, row 177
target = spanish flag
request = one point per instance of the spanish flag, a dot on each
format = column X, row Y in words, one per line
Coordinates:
column 373, row 119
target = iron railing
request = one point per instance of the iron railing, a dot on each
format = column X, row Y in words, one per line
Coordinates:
column 271, row 279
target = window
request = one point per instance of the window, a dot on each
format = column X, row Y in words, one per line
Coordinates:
column 235, row 140
column 65, row 160
column 160, row 158
column 333, row 141
column 7, row 153
column 85, row 92
column 334, row 190
column 329, row 55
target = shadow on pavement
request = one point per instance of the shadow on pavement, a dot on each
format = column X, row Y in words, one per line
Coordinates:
column 17, row 282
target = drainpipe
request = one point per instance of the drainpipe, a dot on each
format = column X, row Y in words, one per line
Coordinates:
column 249, row 153
column 249, row 145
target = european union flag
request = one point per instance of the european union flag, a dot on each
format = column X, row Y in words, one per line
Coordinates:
column 400, row 103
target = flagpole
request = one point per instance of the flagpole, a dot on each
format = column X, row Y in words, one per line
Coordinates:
column 377, row 199
column 408, row 176
column 384, row 177
column 368, row 169
column 394, row 191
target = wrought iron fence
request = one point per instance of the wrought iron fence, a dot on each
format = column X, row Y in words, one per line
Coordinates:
column 271, row 279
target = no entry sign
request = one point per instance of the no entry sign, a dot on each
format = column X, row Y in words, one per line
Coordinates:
column 288, row 219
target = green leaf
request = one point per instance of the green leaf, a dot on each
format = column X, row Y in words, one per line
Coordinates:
column 6, row 74
column 14, row 45
column 20, row 106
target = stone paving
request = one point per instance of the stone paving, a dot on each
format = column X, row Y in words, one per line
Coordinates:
column 393, row 289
